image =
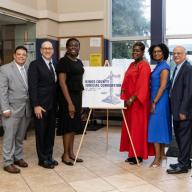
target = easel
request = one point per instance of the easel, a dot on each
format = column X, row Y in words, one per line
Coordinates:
column 107, row 129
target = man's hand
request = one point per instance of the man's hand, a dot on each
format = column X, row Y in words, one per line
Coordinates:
column 38, row 110
column 182, row 116
column 7, row 114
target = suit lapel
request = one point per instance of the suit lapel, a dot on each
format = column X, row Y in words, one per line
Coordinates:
column 17, row 73
column 180, row 72
column 47, row 69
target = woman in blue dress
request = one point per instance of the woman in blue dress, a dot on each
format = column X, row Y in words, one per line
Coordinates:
column 160, row 128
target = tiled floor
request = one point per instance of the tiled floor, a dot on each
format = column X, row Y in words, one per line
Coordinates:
column 103, row 170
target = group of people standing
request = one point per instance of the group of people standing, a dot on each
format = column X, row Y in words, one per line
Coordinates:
column 152, row 100
column 53, row 94
column 42, row 89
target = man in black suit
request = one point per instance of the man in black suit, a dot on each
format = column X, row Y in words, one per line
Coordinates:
column 42, row 91
column 181, row 105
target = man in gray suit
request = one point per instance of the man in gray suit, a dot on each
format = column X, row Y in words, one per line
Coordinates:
column 15, row 109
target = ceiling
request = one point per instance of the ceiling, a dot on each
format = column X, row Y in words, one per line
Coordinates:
column 8, row 20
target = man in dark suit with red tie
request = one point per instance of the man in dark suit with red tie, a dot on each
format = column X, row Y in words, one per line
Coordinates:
column 42, row 92
column 181, row 105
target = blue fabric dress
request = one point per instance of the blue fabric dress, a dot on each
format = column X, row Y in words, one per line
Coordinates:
column 160, row 127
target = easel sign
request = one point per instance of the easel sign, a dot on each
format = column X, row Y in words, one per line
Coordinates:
column 102, row 87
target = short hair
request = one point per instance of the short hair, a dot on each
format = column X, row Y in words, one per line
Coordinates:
column 20, row 47
column 140, row 44
column 72, row 39
column 46, row 41
column 163, row 48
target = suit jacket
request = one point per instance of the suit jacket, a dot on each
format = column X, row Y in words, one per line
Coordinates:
column 13, row 91
column 181, row 92
column 42, row 85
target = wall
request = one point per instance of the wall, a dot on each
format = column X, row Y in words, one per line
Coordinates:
column 60, row 18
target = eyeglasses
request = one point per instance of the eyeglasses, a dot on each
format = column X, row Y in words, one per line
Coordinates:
column 47, row 48
column 177, row 53
column 158, row 51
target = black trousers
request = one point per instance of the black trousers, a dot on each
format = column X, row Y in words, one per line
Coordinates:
column 45, row 135
column 183, row 134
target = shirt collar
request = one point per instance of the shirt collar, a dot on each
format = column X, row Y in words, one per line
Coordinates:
column 19, row 66
column 180, row 65
column 47, row 61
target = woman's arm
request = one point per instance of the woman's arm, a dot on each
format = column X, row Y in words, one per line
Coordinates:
column 64, row 88
column 163, row 83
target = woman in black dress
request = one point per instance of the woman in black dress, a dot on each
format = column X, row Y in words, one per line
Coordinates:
column 70, row 73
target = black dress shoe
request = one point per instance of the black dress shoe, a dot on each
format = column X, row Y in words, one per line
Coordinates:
column 177, row 170
column 174, row 166
column 54, row 162
column 46, row 164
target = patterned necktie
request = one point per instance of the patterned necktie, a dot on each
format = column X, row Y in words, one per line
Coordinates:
column 24, row 75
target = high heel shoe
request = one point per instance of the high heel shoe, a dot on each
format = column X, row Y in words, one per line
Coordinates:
column 134, row 161
column 155, row 164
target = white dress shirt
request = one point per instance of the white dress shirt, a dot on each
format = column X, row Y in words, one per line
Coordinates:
column 47, row 63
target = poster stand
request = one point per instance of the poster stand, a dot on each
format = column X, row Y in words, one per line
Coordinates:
column 84, row 131
column 107, row 129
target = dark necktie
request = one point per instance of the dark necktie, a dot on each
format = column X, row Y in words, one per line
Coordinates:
column 173, row 76
column 51, row 70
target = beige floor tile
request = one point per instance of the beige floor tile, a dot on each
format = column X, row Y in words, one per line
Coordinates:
column 92, row 185
column 143, row 188
column 35, row 170
column 102, row 170
column 176, row 185
column 55, row 188
column 10, row 182
column 39, row 181
column 124, row 180
column 77, row 174
column 108, row 170
column 150, row 174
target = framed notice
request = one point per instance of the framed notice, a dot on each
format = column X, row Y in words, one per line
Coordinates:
column 95, row 59
column 102, row 87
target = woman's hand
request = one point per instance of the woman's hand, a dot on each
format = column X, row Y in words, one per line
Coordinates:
column 71, row 109
column 153, row 107
column 129, row 102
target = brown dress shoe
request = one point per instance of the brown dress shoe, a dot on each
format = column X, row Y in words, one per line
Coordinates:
column 12, row 169
column 21, row 163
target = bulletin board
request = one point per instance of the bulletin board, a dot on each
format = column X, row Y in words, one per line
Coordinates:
column 91, row 49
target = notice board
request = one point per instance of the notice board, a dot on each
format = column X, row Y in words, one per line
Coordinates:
column 91, row 49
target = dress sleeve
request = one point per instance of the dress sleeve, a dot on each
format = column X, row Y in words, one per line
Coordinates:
column 143, row 83
column 62, row 66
